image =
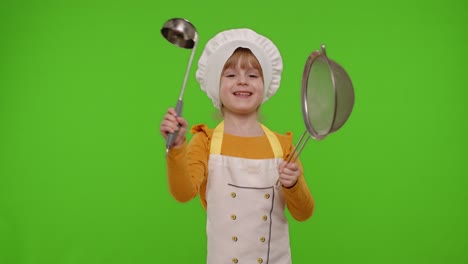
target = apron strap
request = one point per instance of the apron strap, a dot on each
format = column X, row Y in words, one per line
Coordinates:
column 217, row 139
column 274, row 142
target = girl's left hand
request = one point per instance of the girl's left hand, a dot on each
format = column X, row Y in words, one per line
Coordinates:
column 288, row 174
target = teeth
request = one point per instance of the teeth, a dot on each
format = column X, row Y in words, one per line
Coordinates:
column 242, row 93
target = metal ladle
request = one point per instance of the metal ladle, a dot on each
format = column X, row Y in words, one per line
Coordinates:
column 181, row 33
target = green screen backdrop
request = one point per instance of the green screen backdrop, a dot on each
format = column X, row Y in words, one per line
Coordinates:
column 84, row 86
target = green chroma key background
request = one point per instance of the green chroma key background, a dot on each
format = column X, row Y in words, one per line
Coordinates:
column 84, row 85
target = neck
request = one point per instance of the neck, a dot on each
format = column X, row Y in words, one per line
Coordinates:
column 245, row 125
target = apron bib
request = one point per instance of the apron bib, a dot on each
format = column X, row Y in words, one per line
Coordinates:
column 245, row 211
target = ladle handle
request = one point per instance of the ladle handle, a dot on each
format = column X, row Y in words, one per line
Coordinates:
column 172, row 136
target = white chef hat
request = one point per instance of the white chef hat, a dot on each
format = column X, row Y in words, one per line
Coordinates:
column 220, row 48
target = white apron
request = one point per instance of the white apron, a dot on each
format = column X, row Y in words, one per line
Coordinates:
column 245, row 211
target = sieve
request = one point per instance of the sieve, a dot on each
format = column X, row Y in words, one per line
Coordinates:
column 327, row 99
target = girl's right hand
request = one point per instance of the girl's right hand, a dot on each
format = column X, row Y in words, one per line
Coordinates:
column 172, row 123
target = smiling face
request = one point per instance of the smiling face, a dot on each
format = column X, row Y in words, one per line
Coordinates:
column 241, row 88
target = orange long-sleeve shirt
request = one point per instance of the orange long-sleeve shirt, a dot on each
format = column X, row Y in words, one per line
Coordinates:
column 187, row 167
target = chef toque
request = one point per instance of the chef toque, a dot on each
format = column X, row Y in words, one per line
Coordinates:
column 220, row 48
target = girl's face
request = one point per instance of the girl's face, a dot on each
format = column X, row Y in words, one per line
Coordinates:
column 241, row 90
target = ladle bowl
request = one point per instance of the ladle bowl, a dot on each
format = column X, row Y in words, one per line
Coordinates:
column 180, row 32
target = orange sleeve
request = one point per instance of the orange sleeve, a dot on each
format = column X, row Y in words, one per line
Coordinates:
column 187, row 166
column 298, row 198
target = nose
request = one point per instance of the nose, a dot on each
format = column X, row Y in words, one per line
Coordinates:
column 242, row 79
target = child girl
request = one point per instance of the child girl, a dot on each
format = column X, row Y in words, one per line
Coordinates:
column 234, row 167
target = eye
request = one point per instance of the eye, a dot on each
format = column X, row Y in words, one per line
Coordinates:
column 253, row 73
column 229, row 73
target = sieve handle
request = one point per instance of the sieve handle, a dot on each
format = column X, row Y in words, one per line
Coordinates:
column 297, row 150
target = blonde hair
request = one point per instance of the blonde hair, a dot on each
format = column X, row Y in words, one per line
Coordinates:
column 246, row 58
